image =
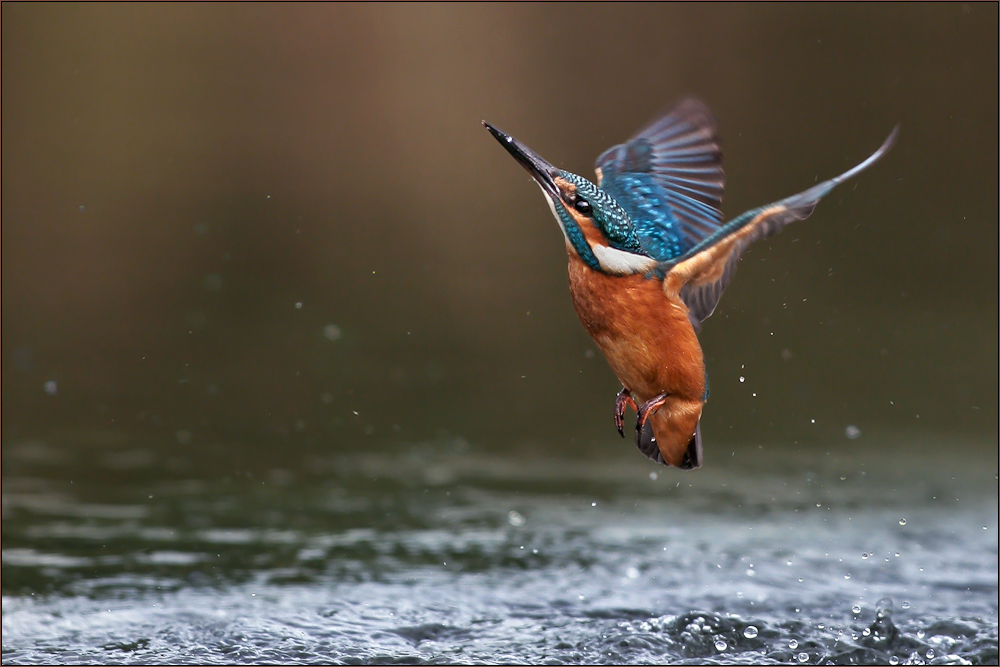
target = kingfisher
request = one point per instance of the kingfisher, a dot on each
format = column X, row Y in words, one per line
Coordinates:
column 649, row 258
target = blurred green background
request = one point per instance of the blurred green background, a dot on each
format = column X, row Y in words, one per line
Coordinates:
column 272, row 229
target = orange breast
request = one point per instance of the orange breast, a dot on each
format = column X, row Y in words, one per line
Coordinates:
column 649, row 344
column 647, row 337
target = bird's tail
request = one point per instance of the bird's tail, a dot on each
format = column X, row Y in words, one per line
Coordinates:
column 660, row 441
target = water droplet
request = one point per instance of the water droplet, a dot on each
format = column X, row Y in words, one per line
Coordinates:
column 893, row 660
column 866, row 631
column 742, row 379
column 802, row 657
column 750, row 572
column 930, row 653
column 847, row 576
column 653, row 475
column 883, row 607
column 720, row 645
column 902, row 522
column 332, row 332
column 632, row 573
column 856, row 609
column 298, row 305
column 865, row 555
column 750, row 632
column 515, row 518
column 920, row 634
column 593, row 504
column 792, row 644
column 905, row 605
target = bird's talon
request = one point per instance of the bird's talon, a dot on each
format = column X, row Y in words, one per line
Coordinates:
column 647, row 408
column 623, row 400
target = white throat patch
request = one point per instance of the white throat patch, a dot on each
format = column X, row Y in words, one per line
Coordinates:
column 620, row 262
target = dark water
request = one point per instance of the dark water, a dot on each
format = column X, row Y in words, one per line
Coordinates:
column 876, row 552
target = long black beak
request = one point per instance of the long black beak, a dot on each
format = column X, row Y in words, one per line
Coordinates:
column 540, row 170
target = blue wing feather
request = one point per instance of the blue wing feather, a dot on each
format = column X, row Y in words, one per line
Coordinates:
column 669, row 179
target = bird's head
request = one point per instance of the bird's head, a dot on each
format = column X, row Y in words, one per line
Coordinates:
column 597, row 229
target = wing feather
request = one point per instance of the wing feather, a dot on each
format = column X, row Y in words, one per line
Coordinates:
column 701, row 275
column 669, row 179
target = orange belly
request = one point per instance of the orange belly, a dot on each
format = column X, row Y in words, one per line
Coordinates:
column 650, row 345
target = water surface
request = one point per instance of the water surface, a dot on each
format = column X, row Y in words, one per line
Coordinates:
column 875, row 552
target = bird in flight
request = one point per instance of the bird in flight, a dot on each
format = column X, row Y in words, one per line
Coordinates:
column 649, row 258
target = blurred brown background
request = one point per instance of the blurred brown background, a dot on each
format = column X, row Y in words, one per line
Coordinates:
column 284, row 226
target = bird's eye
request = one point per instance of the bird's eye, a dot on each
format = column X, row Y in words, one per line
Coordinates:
column 583, row 206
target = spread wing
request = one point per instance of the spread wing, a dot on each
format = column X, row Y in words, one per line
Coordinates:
column 669, row 179
column 702, row 273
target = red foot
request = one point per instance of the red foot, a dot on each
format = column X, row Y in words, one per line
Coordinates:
column 623, row 399
column 648, row 408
